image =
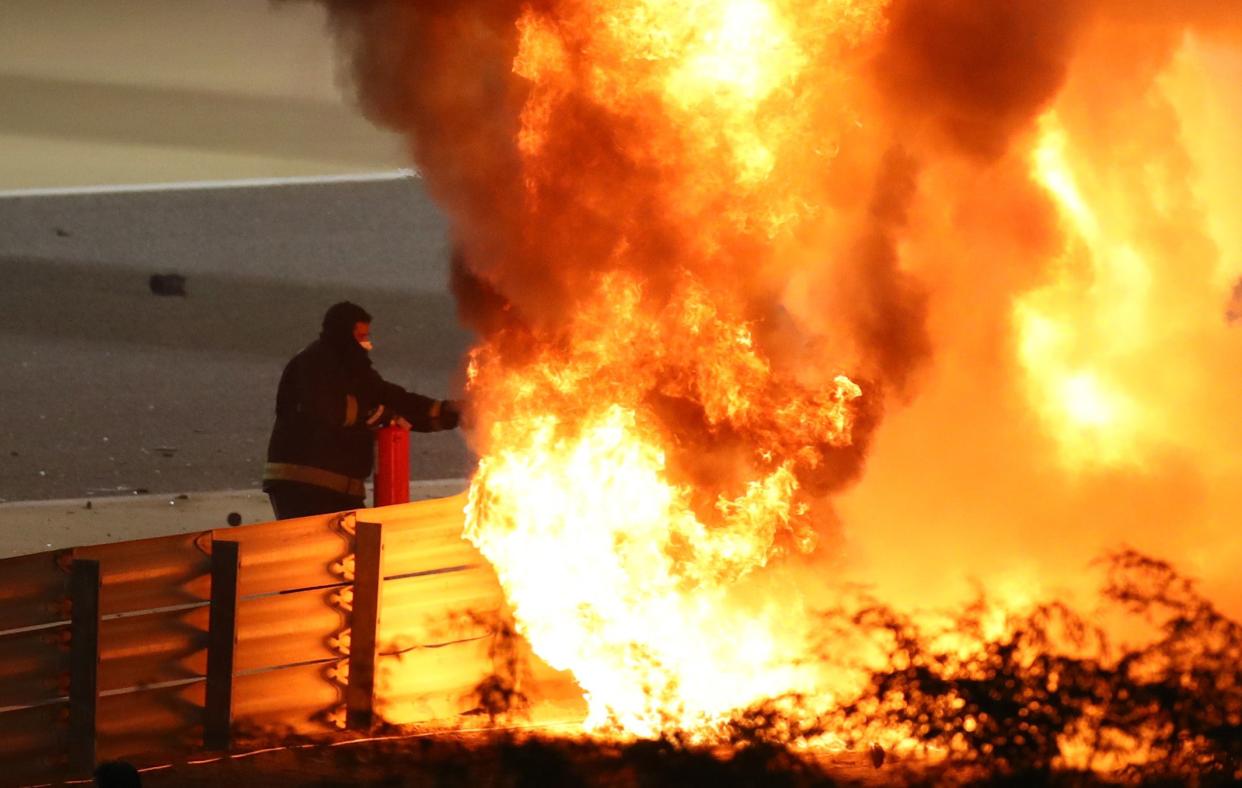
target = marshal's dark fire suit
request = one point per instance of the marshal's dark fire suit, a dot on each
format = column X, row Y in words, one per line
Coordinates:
column 329, row 401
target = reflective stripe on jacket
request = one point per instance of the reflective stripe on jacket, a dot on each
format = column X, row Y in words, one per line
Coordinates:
column 337, row 482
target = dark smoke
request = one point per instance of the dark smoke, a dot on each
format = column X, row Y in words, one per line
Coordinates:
column 978, row 71
column 887, row 307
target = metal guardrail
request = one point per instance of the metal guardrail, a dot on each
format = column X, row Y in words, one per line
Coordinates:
column 172, row 645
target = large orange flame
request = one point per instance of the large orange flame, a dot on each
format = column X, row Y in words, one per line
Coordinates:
column 617, row 569
column 644, row 459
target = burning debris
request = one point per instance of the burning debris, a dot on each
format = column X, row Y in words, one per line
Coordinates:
column 709, row 245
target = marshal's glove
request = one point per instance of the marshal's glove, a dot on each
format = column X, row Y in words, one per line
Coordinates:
column 450, row 413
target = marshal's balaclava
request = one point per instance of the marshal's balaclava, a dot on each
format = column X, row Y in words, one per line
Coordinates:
column 338, row 330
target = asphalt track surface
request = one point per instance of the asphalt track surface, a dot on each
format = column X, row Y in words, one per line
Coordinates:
column 106, row 388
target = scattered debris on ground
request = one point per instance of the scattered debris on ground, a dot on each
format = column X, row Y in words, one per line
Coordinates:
column 167, row 284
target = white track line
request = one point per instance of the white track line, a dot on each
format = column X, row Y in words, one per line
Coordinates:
column 240, row 183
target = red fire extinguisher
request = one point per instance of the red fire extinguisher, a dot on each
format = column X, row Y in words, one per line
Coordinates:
column 392, row 466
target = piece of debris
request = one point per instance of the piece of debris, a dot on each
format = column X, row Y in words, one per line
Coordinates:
column 165, row 451
column 61, row 232
column 877, row 756
column 183, row 497
column 234, row 519
column 89, row 505
column 167, row 284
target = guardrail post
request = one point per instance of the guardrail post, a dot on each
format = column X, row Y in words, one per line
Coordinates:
column 392, row 466
column 364, row 625
column 83, row 664
column 221, row 644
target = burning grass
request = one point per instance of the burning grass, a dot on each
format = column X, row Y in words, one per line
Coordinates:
column 1047, row 691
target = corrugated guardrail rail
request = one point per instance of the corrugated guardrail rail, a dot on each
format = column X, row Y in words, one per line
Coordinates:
column 169, row 646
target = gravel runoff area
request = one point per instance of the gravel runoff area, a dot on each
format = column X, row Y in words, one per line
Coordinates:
column 110, row 389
